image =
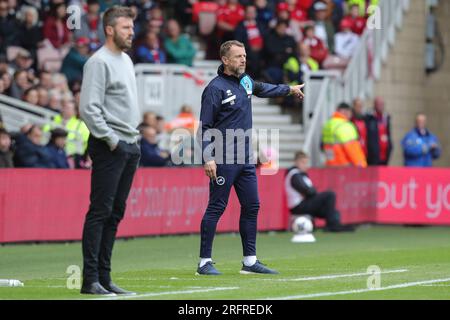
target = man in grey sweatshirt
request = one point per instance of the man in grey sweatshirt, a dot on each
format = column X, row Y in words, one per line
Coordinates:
column 109, row 107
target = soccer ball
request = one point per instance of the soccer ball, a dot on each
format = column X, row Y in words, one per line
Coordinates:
column 302, row 225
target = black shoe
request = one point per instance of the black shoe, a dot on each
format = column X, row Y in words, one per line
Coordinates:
column 95, row 288
column 257, row 268
column 117, row 290
column 207, row 270
column 340, row 228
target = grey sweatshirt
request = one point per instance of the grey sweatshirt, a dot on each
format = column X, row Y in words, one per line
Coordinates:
column 108, row 100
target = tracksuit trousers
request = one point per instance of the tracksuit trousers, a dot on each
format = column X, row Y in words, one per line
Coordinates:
column 243, row 178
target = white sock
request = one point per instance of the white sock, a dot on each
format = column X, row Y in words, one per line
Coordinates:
column 249, row 260
column 203, row 261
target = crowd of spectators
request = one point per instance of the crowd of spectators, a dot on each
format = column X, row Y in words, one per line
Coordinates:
column 43, row 50
column 285, row 38
column 360, row 138
column 41, row 62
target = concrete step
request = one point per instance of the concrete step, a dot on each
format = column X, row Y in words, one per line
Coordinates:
column 266, row 109
column 273, row 120
column 285, row 128
column 286, row 137
column 292, row 146
column 287, row 156
column 260, row 101
column 284, row 164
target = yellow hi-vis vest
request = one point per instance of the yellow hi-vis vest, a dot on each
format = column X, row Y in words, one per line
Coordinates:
column 362, row 5
column 340, row 141
column 77, row 137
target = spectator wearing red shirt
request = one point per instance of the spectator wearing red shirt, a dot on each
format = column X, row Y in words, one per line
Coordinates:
column 251, row 33
column 304, row 5
column 358, row 23
column 319, row 51
column 55, row 28
column 296, row 13
column 384, row 133
column 228, row 17
column 379, row 141
column 359, row 120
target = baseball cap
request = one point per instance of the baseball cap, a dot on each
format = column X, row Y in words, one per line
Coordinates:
column 82, row 41
column 319, row 5
column 282, row 6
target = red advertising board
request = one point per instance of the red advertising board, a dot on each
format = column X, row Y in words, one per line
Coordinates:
column 40, row 204
column 49, row 205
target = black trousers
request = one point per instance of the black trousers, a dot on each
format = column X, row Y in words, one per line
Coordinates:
column 322, row 205
column 111, row 178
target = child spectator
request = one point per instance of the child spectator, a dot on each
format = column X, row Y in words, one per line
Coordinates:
column 319, row 52
column 55, row 149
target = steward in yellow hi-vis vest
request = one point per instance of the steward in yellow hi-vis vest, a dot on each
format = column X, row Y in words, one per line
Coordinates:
column 340, row 140
column 78, row 133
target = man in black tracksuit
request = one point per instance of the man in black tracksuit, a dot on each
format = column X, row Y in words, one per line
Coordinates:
column 226, row 123
column 303, row 198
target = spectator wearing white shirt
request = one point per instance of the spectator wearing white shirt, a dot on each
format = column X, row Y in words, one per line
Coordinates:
column 323, row 26
column 345, row 41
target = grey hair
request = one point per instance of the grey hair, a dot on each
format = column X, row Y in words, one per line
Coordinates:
column 31, row 9
column 226, row 47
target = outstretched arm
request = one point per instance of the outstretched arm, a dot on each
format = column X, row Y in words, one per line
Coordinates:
column 267, row 90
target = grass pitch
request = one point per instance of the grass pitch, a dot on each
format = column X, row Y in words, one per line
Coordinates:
column 414, row 263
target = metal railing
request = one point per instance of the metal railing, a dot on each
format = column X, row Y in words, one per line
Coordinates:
column 326, row 89
column 16, row 113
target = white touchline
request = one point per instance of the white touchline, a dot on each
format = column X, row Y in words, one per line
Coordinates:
column 336, row 276
column 326, row 294
column 435, row 285
column 156, row 294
